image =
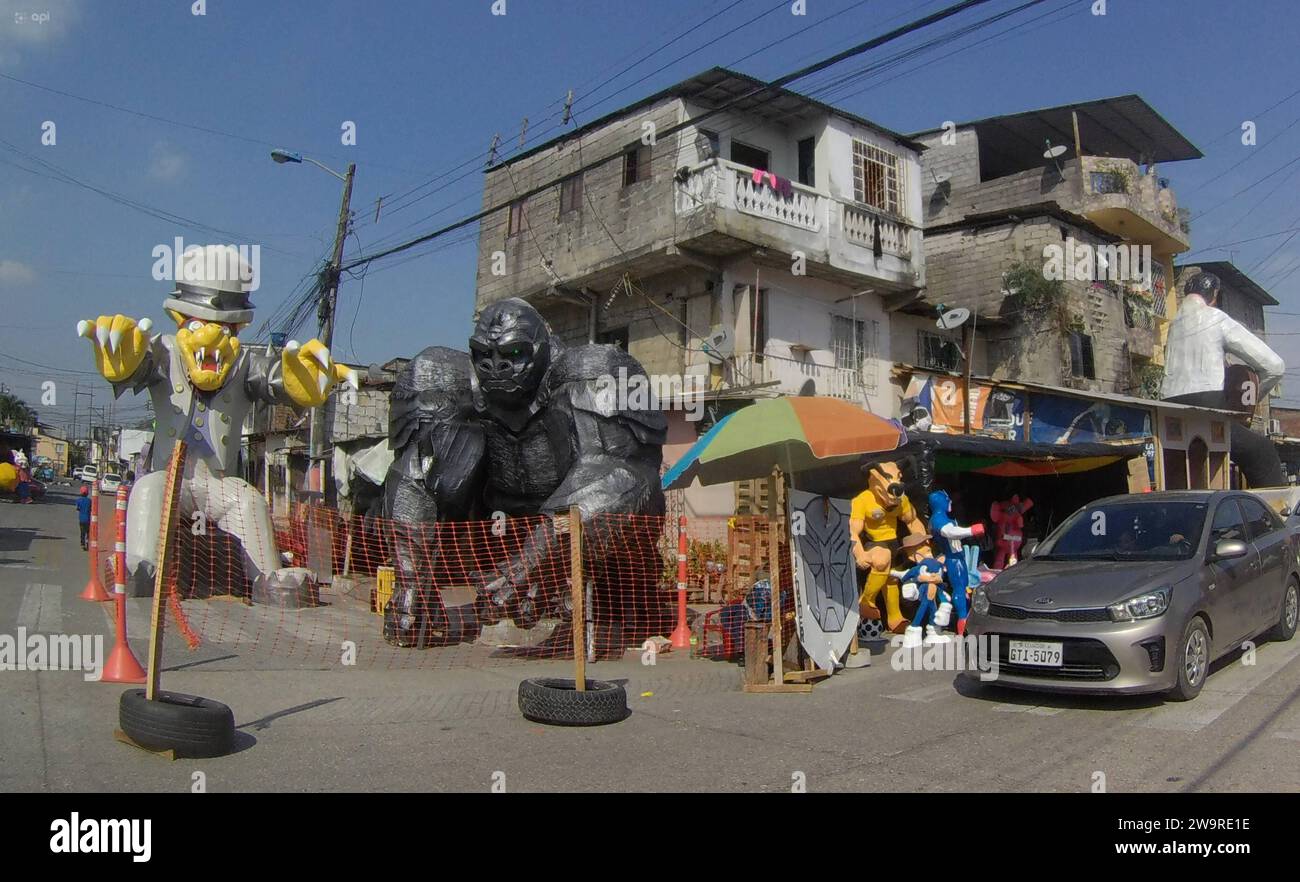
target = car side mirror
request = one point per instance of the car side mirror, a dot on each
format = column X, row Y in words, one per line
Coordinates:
column 1286, row 511
column 1030, row 547
column 1228, row 549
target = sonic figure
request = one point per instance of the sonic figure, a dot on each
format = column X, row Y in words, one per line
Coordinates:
column 948, row 535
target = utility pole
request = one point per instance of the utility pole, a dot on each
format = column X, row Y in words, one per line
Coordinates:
column 320, row 433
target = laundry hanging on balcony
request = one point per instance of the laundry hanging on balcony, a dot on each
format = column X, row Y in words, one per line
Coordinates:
column 782, row 186
column 877, row 246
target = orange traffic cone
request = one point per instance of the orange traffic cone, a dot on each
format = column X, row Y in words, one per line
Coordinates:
column 95, row 587
column 121, row 666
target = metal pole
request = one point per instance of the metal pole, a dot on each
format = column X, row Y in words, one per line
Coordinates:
column 320, row 434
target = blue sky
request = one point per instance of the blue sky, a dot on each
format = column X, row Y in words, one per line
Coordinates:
column 428, row 83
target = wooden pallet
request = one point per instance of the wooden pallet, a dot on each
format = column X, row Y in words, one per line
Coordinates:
column 747, row 553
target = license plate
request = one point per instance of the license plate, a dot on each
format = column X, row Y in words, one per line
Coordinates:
column 1032, row 652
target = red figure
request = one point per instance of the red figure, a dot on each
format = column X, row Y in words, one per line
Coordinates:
column 1009, row 516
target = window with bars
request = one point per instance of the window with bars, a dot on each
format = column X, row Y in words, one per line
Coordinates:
column 936, row 352
column 878, row 178
column 853, row 342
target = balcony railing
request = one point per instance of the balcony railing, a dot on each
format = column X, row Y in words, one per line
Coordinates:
column 802, row 208
column 860, row 229
column 793, row 375
column 1110, row 180
column 722, row 184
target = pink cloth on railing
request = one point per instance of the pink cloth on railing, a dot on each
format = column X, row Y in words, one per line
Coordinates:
column 782, row 186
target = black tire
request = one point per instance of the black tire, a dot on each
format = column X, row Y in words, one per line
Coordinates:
column 555, row 702
column 190, row 725
column 1189, row 686
column 1286, row 621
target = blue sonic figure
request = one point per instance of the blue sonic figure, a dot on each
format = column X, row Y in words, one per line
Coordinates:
column 924, row 582
column 948, row 535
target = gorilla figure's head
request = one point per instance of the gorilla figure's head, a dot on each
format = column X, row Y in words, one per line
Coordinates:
column 511, row 349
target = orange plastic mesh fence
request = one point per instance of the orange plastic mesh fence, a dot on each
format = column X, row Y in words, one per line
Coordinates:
column 478, row 592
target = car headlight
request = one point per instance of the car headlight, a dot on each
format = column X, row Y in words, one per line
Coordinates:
column 1144, row 606
column 980, row 603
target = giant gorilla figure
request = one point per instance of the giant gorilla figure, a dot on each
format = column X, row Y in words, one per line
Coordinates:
column 525, row 426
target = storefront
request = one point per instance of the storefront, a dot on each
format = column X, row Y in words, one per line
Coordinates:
column 1061, row 447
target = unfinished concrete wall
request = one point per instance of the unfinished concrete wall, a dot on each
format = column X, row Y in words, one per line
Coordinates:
column 612, row 223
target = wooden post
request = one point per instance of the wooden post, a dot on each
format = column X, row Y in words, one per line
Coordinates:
column 756, row 653
column 774, row 507
column 968, row 345
column 347, row 548
column 775, row 528
column 579, row 601
column 1078, row 142
column 170, row 503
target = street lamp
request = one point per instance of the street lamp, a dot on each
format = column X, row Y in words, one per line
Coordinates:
column 318, row 476
column 283, row 156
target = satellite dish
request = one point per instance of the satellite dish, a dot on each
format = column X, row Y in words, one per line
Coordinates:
column 1054, row 152
column 952, row 318
column 719, row 345
column 940, row 179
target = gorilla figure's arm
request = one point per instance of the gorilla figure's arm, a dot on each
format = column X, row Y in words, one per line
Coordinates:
column 438, row 447
column 436, row 474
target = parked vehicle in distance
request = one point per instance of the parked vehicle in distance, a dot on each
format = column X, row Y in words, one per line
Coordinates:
column 1141, row 593
column 88, row 473
column 109, row 483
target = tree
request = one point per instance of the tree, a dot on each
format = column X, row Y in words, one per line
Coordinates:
column 14, row 413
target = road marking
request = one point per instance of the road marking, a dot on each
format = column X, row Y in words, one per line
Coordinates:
column 925, row 693
column 41, row 608
column 1222, row 691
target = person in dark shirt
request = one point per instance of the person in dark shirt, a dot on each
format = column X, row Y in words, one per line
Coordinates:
column 83, row 516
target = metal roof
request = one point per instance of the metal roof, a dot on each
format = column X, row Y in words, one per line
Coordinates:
column 1123, row 126
column 1231, row 277
column 716, row 87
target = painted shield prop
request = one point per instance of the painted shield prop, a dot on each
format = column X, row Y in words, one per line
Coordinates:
column 825, row 580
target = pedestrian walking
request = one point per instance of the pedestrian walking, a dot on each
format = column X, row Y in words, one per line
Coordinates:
column 83, row 516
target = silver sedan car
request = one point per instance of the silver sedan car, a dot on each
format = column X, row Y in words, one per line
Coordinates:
column 1141, row 593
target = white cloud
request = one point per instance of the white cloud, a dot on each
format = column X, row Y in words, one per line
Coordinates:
column 13, row 272
column 166, row 162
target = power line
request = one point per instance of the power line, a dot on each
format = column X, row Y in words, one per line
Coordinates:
column 691, row 123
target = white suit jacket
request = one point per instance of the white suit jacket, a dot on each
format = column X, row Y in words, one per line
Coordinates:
column 1199, row 338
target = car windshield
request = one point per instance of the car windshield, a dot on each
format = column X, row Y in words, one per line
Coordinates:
column 1153, row 530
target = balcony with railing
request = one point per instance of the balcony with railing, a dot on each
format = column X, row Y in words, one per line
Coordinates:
column 723, row 208
column 1121, row 199
column 803, row 376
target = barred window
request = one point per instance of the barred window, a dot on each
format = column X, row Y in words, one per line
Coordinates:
column 878, row 178
column 935, row 352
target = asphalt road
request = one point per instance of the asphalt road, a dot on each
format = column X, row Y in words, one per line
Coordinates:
column 448, row 720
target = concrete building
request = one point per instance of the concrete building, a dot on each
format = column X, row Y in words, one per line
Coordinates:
column 1029, row 219
column 682, row 250
column 50, row 442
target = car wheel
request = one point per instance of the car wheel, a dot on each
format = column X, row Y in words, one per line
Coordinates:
column 1286, row 622
column 1193, row 661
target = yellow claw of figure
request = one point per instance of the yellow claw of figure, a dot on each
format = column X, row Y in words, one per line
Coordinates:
column 310, row 373
column 120, row 344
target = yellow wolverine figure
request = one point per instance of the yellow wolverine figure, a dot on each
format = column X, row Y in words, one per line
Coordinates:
column 202, row 383
column 877, row 512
